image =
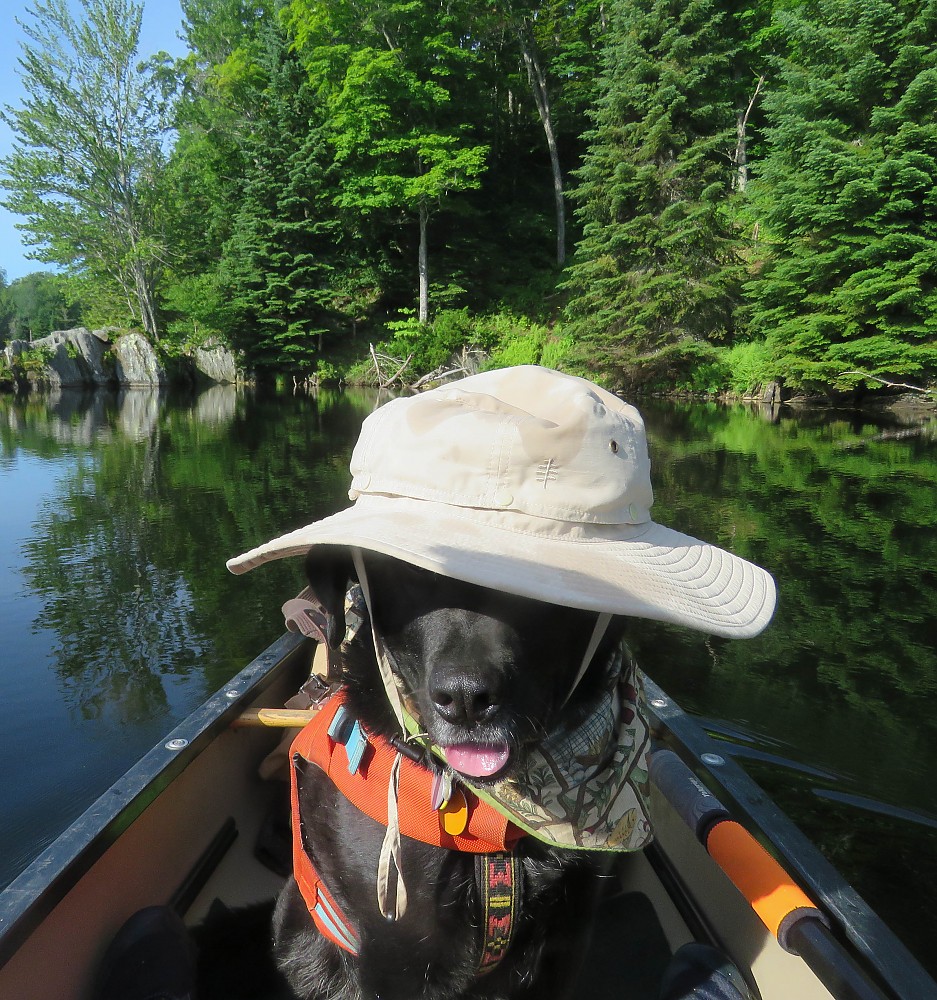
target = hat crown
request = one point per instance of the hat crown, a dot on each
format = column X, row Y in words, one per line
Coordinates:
column 526, row 439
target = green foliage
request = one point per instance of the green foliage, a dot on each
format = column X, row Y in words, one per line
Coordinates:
column 521, row 342
column 32, row 361
column 749, row 365
column 656, row 274
column 198, row 307
column 338, row 167
column 34, row 305
column 847, row 192
column 431, row 344
column 387, row 89
column 88, row 146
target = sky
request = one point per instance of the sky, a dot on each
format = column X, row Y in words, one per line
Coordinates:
column 161, row 24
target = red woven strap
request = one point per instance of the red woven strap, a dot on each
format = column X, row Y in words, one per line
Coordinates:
column 499, row 878
column 486, row 831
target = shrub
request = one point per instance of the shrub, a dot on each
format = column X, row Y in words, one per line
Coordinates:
column 749, row 365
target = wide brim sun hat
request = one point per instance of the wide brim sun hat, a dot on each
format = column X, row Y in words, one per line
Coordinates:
column 535, row 483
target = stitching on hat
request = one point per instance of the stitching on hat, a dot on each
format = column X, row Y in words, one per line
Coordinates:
column 546, row 472
column 501, row 439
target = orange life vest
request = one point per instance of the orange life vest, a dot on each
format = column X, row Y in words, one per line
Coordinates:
column 483, row 830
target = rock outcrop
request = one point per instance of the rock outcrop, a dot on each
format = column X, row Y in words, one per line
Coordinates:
column 86, row 358
column 136, row 362
column 215, row 362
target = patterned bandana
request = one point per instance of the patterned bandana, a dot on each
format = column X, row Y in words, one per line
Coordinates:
column 586, row 785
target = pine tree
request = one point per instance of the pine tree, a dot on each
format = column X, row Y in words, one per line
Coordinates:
column 278, row 260
column 655, row 277
column 848, row 195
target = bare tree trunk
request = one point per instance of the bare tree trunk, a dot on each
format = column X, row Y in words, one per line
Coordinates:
column 740, row 157
column 145, row 300
column 423, row 265
column 538, row 86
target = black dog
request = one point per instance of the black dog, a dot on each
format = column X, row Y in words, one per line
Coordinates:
column 488, row 670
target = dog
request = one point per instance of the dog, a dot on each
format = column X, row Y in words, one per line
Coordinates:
column 529, row 482
column 490, row 673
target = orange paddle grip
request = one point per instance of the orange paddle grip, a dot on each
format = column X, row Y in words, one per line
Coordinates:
column 764, row 883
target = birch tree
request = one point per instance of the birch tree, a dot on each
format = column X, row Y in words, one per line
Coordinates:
column 87, row 148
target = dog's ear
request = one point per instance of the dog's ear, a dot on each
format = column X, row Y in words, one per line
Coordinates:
column 328, row 570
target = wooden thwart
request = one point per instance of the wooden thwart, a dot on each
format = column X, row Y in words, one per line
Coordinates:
column 277, row 718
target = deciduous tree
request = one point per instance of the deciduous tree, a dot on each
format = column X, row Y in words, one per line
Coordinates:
column 388, row 74
column 88, row 147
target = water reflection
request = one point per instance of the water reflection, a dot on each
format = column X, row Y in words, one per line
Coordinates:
column 842, row 512
column 118, row 616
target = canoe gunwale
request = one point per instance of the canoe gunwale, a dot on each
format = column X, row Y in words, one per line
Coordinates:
column 874, row 946
column 34, row 893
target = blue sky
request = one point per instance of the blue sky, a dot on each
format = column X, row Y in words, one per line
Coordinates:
column 161, row 22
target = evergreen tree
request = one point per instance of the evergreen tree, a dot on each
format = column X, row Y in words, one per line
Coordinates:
column 848, row 195
column 656, row 274
column 278, row 262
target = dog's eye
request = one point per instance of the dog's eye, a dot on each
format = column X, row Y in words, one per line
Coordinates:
column 614, row 446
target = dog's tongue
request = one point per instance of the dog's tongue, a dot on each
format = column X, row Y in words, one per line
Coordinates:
column 475, row 761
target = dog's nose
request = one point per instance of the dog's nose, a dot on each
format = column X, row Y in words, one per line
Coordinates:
column 462, row 697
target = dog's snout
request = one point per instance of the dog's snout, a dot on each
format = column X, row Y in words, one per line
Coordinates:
column 465, row 697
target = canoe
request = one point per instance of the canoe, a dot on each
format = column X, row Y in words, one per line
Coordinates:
column 181, row 827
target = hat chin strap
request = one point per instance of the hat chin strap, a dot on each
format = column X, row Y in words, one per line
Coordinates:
column 388, row 866
column 598, row 632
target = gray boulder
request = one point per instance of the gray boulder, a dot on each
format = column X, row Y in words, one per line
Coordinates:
column 76, row 357
column 215, row 362
column 136, row 363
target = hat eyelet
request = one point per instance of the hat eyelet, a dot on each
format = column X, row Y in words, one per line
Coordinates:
column 613, row 445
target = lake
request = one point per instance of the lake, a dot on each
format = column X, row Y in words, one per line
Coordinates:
column 118, row 617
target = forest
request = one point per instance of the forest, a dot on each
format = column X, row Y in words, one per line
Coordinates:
column 666, row 195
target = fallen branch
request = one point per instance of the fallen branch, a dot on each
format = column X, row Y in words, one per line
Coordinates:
column 382, row 380
column 439, row 373
column 398, row 373
column 891, row 385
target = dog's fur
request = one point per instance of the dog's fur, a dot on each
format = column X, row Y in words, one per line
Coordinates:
column 485, row 667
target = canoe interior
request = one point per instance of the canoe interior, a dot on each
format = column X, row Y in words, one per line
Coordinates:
column 182, row 827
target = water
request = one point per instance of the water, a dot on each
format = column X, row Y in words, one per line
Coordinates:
column 117, row 616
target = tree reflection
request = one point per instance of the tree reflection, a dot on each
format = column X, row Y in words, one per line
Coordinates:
column 157, row 493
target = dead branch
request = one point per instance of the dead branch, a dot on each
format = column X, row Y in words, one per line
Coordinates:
column 437, row 375
column 891, row 385
column 384, row 381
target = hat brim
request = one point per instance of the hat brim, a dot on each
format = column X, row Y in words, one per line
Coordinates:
column 644, row 570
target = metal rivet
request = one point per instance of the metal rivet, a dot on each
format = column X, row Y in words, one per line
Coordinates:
column 713, row 759
column 658, row 702
column 232, row 694
column 178, row 744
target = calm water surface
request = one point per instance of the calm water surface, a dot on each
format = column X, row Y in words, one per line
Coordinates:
column 117, row 616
